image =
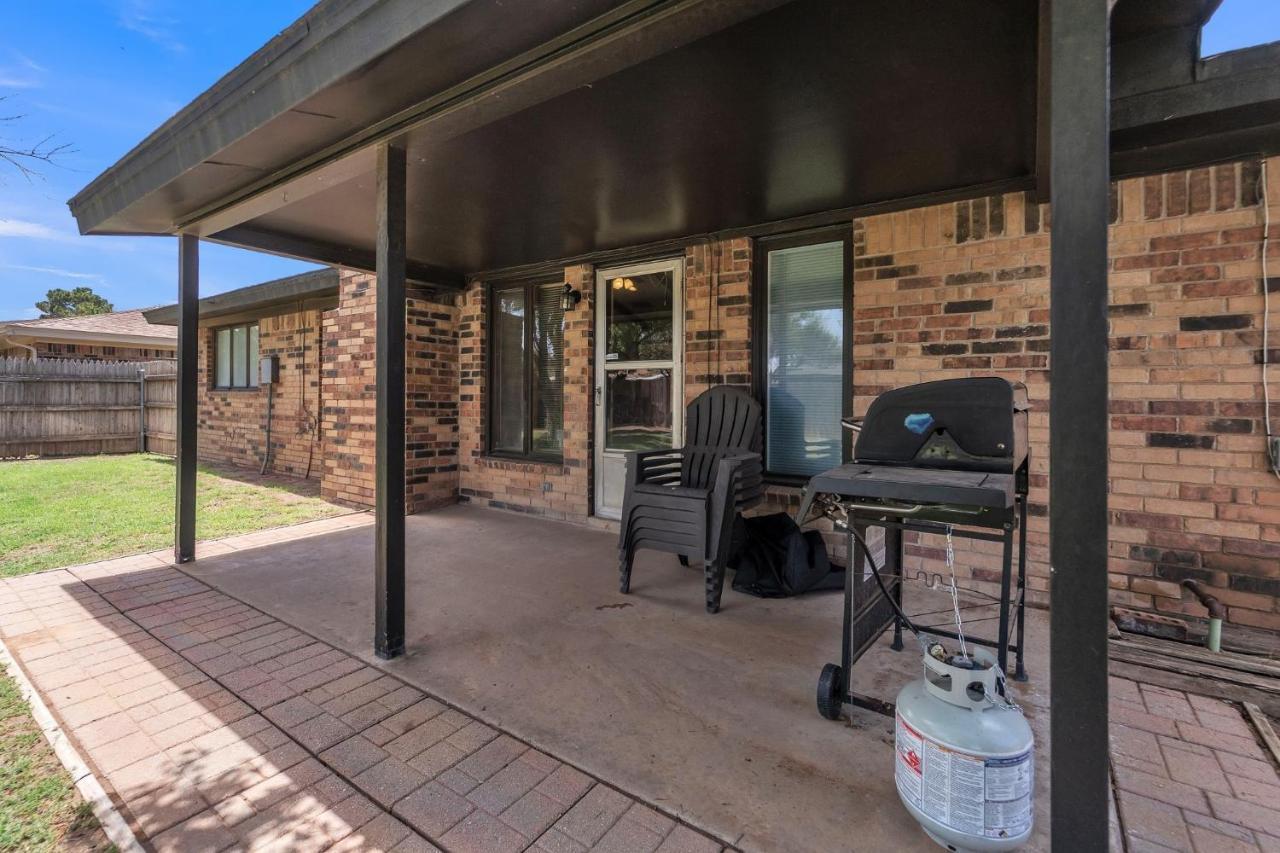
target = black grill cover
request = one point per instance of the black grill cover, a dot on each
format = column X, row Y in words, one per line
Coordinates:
column 986, row 416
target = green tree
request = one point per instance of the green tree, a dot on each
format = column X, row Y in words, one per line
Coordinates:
column 72, row 303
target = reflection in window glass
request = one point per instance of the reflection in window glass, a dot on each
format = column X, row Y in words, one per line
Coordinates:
column 805, row 358
column 236, row 357
column 638, row 410
column 547, row 404
column 239, row 369
column 508, row 353
column 254, row 369
column 639, row 317
column 222, row 347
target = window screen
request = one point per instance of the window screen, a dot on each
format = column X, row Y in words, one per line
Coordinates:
column 805, row 358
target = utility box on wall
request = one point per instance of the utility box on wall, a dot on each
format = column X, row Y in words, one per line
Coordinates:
column 269, row 370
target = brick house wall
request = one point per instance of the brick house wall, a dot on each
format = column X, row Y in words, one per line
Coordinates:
column 962, row 289
column 717, row 322
column 349, row 391
column 554, row 490
column 232, row 422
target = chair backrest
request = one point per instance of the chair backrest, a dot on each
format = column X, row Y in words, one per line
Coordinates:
column 720, row 421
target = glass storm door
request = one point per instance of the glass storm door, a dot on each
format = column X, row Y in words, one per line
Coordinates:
column 639, row 394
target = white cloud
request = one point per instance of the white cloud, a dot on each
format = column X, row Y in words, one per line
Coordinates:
column 88, row 276
column 29, row 230
column 30, row 63
column 9, row 80
column 140, row 16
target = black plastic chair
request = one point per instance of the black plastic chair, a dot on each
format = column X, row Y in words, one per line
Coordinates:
column 684, row 501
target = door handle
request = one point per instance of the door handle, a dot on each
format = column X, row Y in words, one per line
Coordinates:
column 599, row 394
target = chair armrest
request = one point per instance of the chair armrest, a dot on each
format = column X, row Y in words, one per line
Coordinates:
column 742, row 475
column 645, row 466
column 737, row 478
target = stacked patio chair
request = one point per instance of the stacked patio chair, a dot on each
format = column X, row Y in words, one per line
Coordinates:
column 685, row 501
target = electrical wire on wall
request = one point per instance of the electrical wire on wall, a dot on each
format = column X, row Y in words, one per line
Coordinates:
column 1273, row 442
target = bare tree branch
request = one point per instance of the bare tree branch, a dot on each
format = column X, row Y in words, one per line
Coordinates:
column 26, row 159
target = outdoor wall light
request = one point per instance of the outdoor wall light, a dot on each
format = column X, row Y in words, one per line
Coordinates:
column 570, row 298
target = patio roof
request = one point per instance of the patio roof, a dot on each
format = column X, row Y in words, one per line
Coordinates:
column 625, row 123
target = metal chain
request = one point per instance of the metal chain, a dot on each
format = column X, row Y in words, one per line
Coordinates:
column 955, row 594
column 1002, row 699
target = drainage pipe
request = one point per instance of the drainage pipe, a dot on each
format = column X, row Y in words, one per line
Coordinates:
column 1217, row 612
column 266, row 452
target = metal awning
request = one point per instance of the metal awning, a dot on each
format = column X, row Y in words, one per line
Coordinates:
column 602, row 124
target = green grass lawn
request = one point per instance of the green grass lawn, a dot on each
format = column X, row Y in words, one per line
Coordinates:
column 39, row 807
column 61, row 512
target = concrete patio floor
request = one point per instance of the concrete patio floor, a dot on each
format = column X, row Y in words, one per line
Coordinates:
column 538, row 709
column 518, row 621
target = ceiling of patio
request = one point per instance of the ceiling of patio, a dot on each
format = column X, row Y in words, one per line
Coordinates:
column 723, row 114
column 820, row 104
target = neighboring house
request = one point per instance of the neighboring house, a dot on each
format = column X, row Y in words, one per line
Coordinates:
column 117, row 336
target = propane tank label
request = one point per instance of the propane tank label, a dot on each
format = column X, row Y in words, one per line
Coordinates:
column 988, row 797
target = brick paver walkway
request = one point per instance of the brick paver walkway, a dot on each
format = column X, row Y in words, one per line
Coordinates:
column 222, row 728
column 1190, row 773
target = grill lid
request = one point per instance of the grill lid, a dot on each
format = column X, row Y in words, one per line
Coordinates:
column 971, row 424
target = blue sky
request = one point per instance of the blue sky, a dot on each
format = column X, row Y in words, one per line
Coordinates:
column 102, row 74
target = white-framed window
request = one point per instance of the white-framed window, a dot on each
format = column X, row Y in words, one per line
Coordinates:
column 235, row 354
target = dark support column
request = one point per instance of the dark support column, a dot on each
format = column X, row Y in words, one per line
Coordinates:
column 388, row 639
column 184, row 546
column 1080, row 174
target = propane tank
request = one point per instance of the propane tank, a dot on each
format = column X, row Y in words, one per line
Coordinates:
column 965, row 766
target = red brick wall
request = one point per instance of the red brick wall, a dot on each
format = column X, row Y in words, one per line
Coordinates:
column 956, row 290
column 717, row 324
column 962, row 289
column 555, row 490
column 232, row 422
column 349, row 390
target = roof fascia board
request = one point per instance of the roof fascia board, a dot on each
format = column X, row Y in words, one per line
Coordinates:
column 632, row 33
column 318, row 284
column 272, row 309
column 333, row 40
column 1243, row 78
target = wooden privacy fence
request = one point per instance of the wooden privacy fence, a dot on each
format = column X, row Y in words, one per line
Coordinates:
column 61, row 407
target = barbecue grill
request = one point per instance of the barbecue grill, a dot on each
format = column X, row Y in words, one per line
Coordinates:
column 938, row 457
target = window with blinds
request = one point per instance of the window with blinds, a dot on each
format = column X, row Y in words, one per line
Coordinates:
column 526, row 371
column 804, row 358
column 235, row 356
